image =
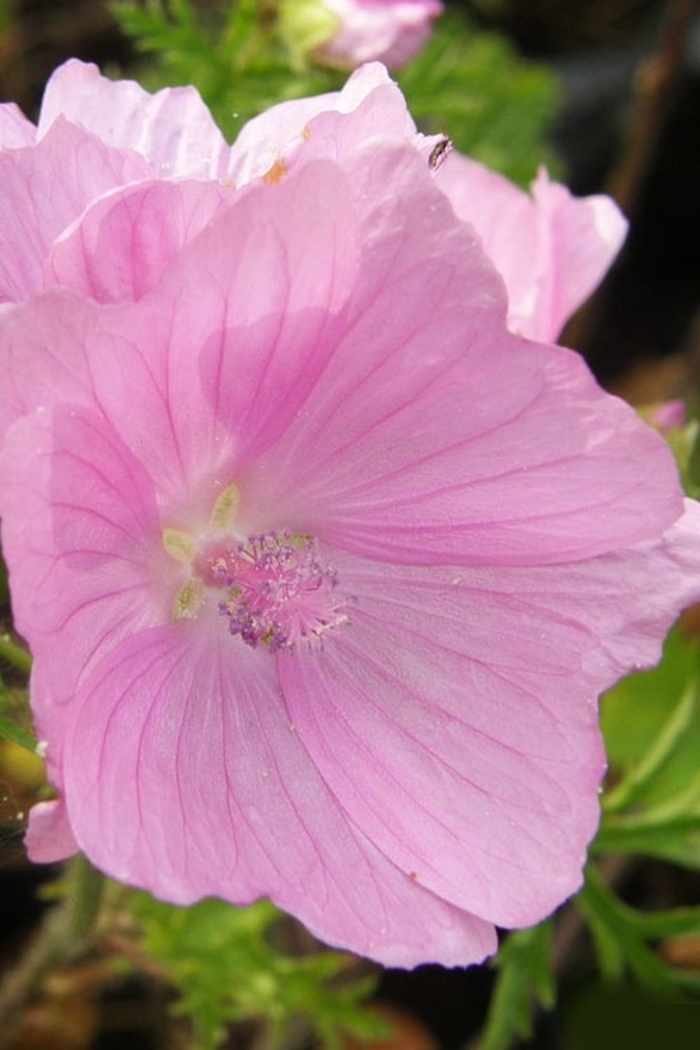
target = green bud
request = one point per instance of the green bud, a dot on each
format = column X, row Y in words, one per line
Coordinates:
column 306, row 25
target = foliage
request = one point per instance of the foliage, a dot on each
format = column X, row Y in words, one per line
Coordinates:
column 495, row 107
column 623, row 938
column 234, row 56
column 15, row 719
column 651, row 807
column 651, row 723
column 252, row 978
column 525, row 982
column 466, row 82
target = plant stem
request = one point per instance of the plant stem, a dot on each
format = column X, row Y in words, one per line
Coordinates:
column 14, row 654
column 655, row 85
column 67, row 933
column 656, row 82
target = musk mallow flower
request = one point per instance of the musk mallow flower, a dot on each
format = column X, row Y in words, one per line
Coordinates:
column 347, row 33
column 551, row 248
column 323, row 568
column 84, row 183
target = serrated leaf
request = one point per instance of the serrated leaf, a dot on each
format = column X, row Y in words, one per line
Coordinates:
column 621, row 936
column 225, row 967
column 525, row 981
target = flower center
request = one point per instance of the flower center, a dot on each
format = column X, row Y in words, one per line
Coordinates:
column 277, row 590
column 273, row 588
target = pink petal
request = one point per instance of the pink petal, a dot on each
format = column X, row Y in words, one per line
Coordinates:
column 585, row 234
column 123, row 243
column 61, row 348
column 223, row 354
column 434, row 435
column 454, row 717
column 514, row 478
column 465, row 749
column 81, row 534
column 184, row 775
column 49, row 836
column 15, row 129
column 43, row 349
column 517, row 478
column 45, row 188
column 390, row 31
column 552, row 249
column 172, row 129
column 369, row 106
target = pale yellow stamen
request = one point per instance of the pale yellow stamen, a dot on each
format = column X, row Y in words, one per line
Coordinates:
column 225, row 509
column 276, row 173
column 179, row 545
column 188, row 600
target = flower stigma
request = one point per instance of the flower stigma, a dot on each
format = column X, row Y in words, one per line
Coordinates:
column 272, row 587
column 277, row 591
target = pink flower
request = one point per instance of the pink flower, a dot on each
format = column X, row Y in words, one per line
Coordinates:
column 389, row 31
column 101, row 147
column 79, row 186
column 551, row 249
column 667, row 415
column 323, row 569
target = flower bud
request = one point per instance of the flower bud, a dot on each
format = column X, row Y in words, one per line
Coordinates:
column 347, row 33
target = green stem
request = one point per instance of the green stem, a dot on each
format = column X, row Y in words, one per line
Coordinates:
column 14, row 654
column 67, row 932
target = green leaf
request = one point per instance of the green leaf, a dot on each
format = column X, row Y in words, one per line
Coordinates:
column 14, row 733
column 15, row 718
column 525, row 981
column 651, row 724
column 224, row 964
column 495, row 106
column 621, row 935
column 14, row 655
column 233, row 55
column 640, row 778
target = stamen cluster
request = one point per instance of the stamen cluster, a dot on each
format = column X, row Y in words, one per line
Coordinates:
column 278, row 590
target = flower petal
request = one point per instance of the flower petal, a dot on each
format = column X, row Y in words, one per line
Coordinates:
column 392, row 32
column 215, row 363
column 122, row 244
column 551, row 248
column 434, row 435
column 15, row 130
column 454, row 716
column 369, row 107
column 184, row 775
column 172, row 129
column 46, row 187
column 49, row 836
column 62, row 348
column 81, row 534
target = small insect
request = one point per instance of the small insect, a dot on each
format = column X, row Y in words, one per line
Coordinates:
column 439, row 152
